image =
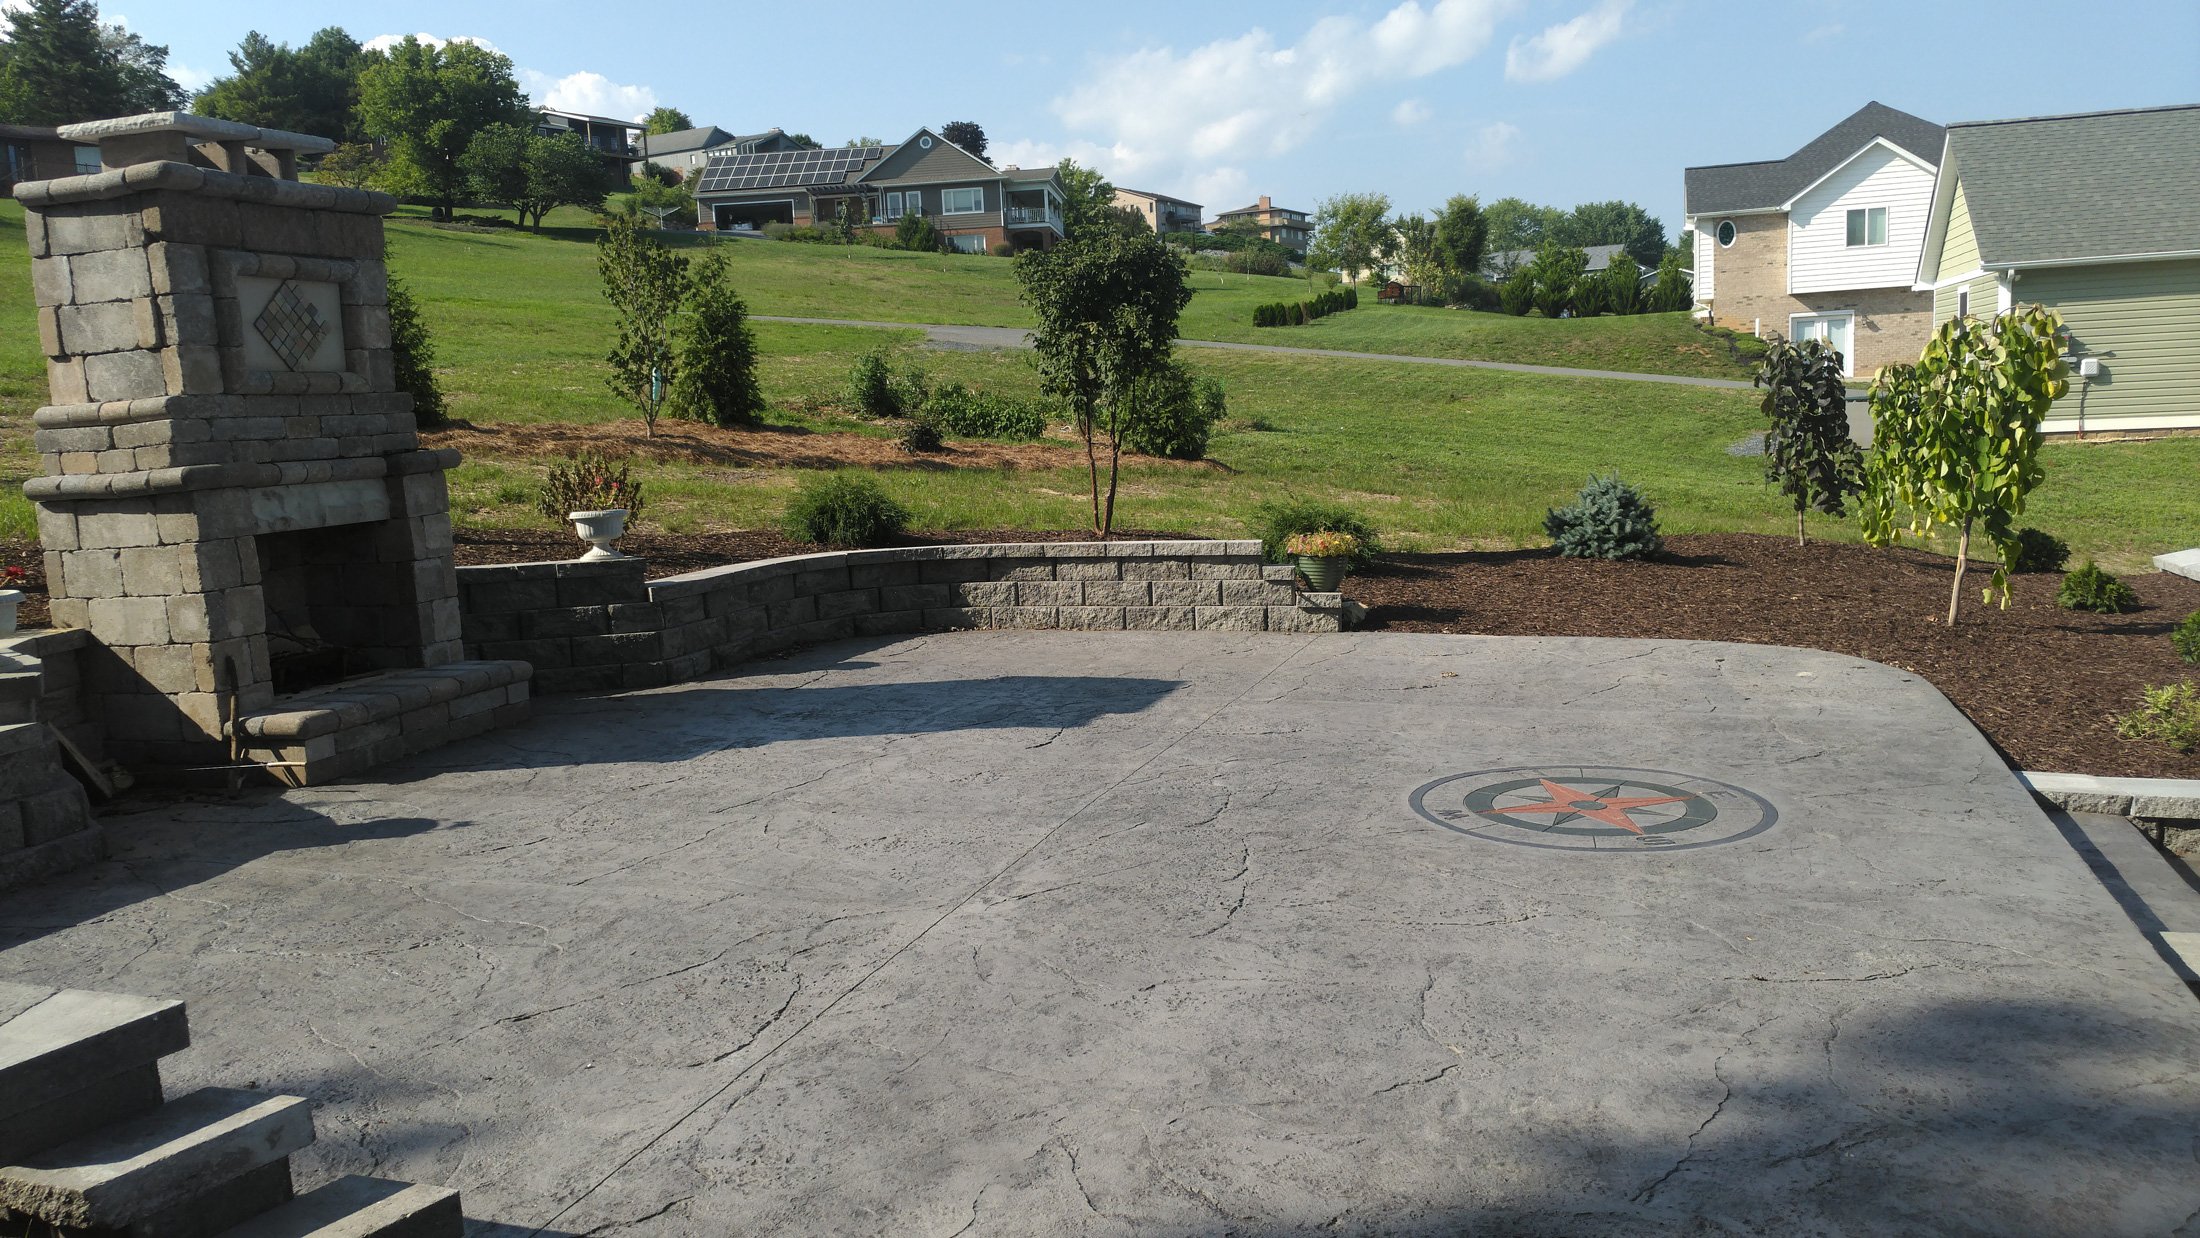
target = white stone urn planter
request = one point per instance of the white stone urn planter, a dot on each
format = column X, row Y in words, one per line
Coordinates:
column 9, row 600
column 599, row 530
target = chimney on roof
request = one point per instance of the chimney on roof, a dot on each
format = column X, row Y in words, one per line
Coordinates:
column 1264, row 203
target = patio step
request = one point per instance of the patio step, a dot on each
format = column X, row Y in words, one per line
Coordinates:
column 72, row 1061
column 198, row 1150
column 357, row 1207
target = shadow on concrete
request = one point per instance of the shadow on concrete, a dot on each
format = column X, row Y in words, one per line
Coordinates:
column 666, row 727
column 159, row 843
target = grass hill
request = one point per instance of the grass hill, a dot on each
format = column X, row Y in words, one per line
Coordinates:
column 1436, row 457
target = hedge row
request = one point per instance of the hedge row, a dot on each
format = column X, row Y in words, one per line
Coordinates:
column 1299, row 313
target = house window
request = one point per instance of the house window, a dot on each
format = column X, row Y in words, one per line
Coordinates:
column 910, row 201
column 962, row 201
column 1726, row 233
column 1963, row 303
column 87, row 161
column 1868, row 226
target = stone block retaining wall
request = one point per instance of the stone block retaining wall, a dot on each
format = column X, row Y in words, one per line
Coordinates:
column 599, row 626
column 46, row 825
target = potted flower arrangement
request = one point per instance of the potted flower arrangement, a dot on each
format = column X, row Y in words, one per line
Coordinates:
column 597, row 495
column 1322, row 557
column 10, row 596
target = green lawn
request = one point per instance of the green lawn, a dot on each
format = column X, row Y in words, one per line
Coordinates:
column 1437, row 457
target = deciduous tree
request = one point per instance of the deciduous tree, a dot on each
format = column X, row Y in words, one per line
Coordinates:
column 1107, row 304
column 1808, row 451
column 532, row 174
column 1088, row 200
column 646, row 285
column 427, row 103
column 1956, row 437
column 666, row 120
column 966, row 134
column 1614, row 223
column 1518, row 224
column 1462, row 235
column 310, row 89
column 1349, row 232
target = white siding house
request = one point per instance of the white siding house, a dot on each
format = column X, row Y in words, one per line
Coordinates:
column 1704, row 246
column 1863, row 225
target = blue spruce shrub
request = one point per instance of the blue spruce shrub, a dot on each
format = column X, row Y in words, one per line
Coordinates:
column 1609, row 519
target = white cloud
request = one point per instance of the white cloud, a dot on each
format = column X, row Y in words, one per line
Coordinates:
column 1492, row 145
column 592, row 93
column 1410, row 112
column 1565, row 47
column 192, row 80
column 384, row 42
column 1187, row 122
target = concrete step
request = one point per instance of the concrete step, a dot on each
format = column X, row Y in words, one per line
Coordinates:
column 145, row 1166
column 356, row 1207
column 58, row 1053
column 19, row 691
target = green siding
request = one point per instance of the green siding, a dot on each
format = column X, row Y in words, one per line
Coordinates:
column 1959, row 248
column 1985, row 299
column 2142, row 319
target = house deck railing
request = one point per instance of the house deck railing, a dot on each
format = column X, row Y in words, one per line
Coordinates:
column 1033, row 215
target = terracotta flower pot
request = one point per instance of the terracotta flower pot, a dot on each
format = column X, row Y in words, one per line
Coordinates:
column 599, row 530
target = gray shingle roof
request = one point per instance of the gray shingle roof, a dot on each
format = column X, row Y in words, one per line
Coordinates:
column 2062, row 188
column 681, row 141
column 1768, row 184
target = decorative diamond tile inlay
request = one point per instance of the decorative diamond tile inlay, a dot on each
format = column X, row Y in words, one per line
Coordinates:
column 291, row 325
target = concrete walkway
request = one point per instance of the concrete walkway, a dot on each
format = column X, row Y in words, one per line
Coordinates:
column 1031, row 932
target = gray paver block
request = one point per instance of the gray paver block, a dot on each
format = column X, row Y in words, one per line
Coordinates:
column 76, row 1037
column 361, row 1207
column 142, row 1166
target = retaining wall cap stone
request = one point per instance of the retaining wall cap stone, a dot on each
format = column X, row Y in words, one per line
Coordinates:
column 141, row 177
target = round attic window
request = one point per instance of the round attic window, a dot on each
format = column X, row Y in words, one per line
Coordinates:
column 1726, row 233
column 924, row 143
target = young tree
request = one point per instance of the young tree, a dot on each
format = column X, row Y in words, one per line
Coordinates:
column 1516, row 296
column 59, row 65
column 663, row 202
column 966, row 134
column 310, row 89
column 1808, row 452
column 917, row 233
column 1622, row 281
column 1411, row 247
column 1107, row 305
column 352, row 165
column 1462, row 235
column 646, row 284
column 666, row 120
column 1349, row 231
column 717, row 380
column 1956, row 437
column 1557, row 271
column 1088, row 200
column 427, row 103
column 1672, row 292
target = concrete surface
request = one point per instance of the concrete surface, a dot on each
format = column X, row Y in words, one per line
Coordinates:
column 2181, row 563
column 2174, row 799
column 1023, row 932
column 2157, row 892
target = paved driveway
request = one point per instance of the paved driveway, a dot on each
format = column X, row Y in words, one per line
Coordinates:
column 1012, row 933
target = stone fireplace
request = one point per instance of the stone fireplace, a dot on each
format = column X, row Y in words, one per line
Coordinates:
column 235, row 502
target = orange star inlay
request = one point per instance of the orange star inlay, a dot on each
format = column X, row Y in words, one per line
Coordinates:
column 1604, row 808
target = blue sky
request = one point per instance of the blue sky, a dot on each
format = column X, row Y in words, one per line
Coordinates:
column 1556, row 101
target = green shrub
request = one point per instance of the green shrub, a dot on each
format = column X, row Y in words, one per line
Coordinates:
column 1258, row 262
column 959, row 411
column 2090, row 588
column 2168, row 714
column 412, row 358
column 1516, row 296
column 883, row 391
column 2186, row 637
column 1609, row 519
column 919, row 234
column 844, row 510
column 717, row 371
column 2038, row 551
column 1172, row 414
column 1352, row 298
column 589, row 482
column 919, row 434
column 1276, row 521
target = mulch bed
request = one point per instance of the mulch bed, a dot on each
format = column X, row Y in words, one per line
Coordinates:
column 2045, row 684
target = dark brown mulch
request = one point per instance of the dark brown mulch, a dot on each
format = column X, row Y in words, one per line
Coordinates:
column 2043, row 683
column 24, row 555
column 670, row 554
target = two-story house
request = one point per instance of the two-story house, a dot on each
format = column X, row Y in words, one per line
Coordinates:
column 1823, row 244
column 614, row 141
column 978, row 207
column 1161, row 212
column 685, row 151
column 1288, row 228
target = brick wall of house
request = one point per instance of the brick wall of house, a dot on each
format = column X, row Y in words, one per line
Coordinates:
column 1750, row 293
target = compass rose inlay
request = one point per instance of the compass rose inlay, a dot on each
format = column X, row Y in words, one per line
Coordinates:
column 1594, row 808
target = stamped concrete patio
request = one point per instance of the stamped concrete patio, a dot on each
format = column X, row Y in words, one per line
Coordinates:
column 1043, row 932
